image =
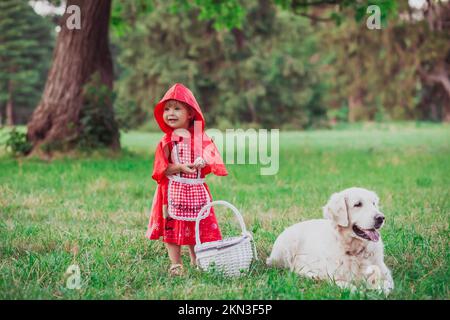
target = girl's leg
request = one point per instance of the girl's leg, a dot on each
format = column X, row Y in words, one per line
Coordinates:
column 192, row 255
column 176, row 267
column 174, row 253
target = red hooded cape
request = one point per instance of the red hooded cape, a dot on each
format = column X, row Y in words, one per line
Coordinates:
column 204, row 147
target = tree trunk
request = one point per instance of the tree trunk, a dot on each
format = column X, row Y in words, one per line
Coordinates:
column 354, row 107
column 446, row 111
column 78, row 54
column 253, row 113
column 10, row 106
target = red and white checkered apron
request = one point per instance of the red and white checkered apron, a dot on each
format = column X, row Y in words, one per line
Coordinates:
column 186, row 192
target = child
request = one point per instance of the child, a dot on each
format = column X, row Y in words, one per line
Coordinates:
column 183, row 157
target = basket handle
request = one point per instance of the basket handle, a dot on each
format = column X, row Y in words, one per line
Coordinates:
column 202, row 215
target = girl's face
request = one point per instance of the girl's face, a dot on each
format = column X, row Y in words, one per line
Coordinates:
column 176, row 115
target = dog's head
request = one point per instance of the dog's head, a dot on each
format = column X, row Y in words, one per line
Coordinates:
column 357, row 210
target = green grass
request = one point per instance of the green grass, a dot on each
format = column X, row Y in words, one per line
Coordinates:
column 93, row 212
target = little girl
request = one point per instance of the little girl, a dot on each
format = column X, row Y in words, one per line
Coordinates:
column 183, row 157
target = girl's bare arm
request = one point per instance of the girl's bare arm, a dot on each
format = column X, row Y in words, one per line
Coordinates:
column 174, row 168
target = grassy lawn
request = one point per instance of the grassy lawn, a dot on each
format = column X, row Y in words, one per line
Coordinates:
column 93, row 212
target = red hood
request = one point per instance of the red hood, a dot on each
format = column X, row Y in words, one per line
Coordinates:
column 203, row 145
column 181, row 93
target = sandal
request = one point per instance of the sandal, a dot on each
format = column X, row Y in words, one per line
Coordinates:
column 176, row 270
column 194, row 263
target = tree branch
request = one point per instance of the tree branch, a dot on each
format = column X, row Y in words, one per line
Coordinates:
column 296, row 3
column 439, row 76
column 312, row 17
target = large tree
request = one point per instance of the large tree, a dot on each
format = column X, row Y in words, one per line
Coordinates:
column 78, row 56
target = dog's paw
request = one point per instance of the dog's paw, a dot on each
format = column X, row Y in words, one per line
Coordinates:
column 388, row 286
column 373, row 277
column 375, row 280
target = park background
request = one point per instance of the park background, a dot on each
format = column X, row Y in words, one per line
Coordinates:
column 356, row 107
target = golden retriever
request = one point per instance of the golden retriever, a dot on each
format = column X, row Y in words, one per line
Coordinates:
column 345, row 247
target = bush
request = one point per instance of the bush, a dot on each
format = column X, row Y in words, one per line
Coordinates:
column 129, row 115
column 97, row 126
column 339, row 115
column 17, row 143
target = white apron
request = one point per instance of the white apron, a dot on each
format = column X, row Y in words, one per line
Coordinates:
column 187, row 194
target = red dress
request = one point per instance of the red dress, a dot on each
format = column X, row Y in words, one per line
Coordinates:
column 176, row 231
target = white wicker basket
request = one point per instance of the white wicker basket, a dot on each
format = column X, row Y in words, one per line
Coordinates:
column 232, row 256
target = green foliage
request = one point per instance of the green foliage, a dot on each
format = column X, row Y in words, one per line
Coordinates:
column 97, row 127
column 341, row 11
column 16, row 142
column 270, row 79
column 282, row 70
column 376, row 73
column 26, row 42
column 128, row 114
column 249, row 63
column 124, row 14
column 260, row 74
column 339, row 115
column 226, row 14
column 230, row 14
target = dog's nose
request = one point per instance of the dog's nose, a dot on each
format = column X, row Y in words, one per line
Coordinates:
column 379, row 219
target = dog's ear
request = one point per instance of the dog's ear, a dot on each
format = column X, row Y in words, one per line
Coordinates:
column 336, row 209
column 376, row 198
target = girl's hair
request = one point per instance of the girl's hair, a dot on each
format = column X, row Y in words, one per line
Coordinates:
column 172, row 102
